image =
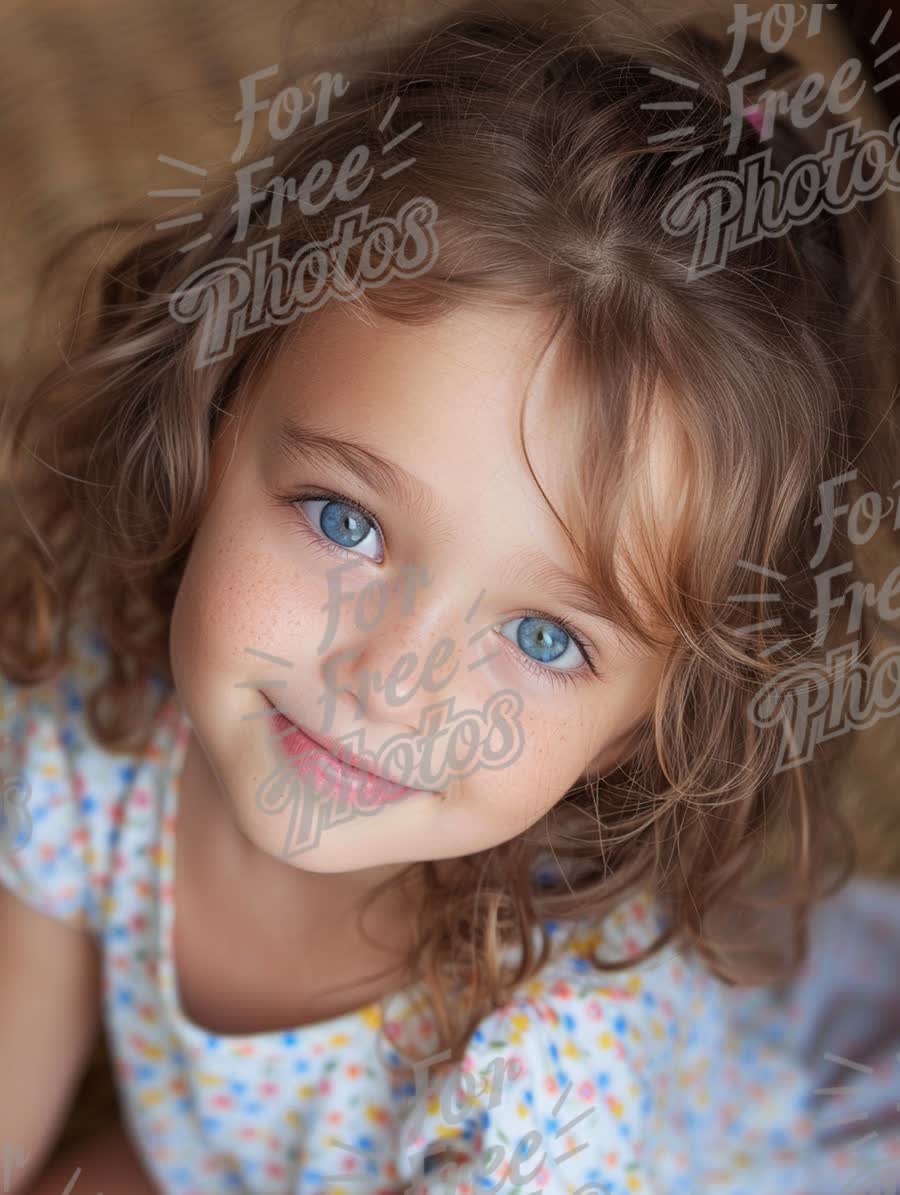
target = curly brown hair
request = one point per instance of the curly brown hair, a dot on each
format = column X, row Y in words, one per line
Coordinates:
column 551, row 158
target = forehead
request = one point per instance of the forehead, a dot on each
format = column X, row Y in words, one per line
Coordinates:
column 467, row 362
column 446, row 397
column 485, row 407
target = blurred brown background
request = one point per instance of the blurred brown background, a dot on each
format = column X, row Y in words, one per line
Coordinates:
column 90, row 96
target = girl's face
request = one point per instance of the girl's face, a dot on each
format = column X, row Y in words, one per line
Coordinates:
column 412, row 601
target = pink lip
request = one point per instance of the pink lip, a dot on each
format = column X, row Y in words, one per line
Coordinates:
column 310, row 758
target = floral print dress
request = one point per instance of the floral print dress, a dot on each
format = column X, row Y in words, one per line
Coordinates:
column 654, row 1080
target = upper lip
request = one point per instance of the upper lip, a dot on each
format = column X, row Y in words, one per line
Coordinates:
column 344, row 755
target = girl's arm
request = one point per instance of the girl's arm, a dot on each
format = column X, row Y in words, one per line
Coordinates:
column 49, row 1015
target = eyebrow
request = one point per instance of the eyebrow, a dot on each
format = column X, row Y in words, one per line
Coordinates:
column 529, row 566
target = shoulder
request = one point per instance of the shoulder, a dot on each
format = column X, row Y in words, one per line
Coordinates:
column 60, row 790
column 555, row 1088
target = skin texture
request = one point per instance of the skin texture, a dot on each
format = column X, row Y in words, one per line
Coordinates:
column 443, row 401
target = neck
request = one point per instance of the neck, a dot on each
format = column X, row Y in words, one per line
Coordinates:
column 288, row 903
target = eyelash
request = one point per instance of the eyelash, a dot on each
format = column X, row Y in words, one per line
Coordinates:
column 563, row 674
column 327, row 543
column 554, row 675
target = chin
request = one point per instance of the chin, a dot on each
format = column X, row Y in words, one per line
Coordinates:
column 282, row 824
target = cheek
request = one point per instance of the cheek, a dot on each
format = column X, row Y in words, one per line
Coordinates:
column 227, row 600
column 252, row 585
column 521, row 790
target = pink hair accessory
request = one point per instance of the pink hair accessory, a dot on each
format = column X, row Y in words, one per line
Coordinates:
column 754, row 115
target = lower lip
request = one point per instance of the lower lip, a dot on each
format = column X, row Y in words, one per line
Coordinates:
column 327, row 772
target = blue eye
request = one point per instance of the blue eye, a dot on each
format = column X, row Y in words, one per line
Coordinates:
column 546, row 643
column 548, row 648
column 344, row 524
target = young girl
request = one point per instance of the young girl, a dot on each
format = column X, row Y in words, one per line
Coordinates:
column 395, row 720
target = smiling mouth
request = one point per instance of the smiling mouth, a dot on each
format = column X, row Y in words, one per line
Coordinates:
column 343, row 771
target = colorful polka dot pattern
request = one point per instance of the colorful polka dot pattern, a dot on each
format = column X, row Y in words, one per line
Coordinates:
column 653, row 1080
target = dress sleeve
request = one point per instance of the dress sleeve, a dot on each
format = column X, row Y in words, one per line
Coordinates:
column 46, row 830
column 544, row 1099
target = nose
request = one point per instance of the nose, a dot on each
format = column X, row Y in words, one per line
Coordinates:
column 379, row 682
column 391, row 674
